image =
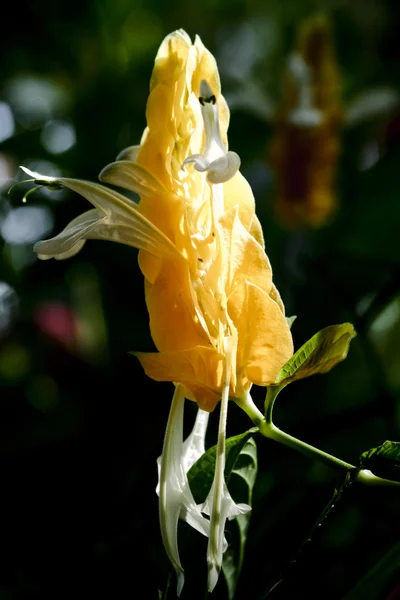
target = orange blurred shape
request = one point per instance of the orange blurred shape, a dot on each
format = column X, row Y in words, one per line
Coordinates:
column 306, row 144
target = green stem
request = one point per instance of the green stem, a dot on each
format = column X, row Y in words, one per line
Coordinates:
column 269, row 430
column 367, row 477
column 272, row 432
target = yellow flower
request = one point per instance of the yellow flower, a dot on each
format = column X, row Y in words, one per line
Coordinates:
column 201, row 248
column 215, row 315
column 212, row 223
column 252, row 311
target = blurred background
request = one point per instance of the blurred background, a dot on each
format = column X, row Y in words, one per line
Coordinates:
column 315, row 118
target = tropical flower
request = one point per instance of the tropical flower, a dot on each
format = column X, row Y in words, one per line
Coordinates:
column 216, row 318
column 306, row 145
column 308, row 122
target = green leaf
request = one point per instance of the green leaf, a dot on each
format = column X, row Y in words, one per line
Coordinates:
column 201, row 474
column 383, row 461
column 240, row 473
column 241, row 485
column 322, row 352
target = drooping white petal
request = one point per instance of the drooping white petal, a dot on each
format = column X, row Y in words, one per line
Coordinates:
column 219, row 170
column 127, row 224
column 200, row 162
column 175, row 495
column 228, row 510
column 193, row 446
column 231, row 508
column 224, row 168
column 71, row 239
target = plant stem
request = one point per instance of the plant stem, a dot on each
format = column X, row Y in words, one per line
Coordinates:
column 274, row 433
column 269, row 430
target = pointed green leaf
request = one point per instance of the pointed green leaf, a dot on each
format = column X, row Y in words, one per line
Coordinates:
column 322, row 352
column 241, row 485
column 201, row 474
column 383, row 461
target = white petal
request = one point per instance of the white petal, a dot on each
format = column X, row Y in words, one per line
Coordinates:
column 38, row 177
column 200, row 162
column 175, row 495
column 134, row 229
column 194, row 445
column 233, row 510
column 224, row 168
column 71, row 239
column 170, row 490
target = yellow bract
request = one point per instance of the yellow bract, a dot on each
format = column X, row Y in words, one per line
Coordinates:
column 222, row 286
column 201, row 248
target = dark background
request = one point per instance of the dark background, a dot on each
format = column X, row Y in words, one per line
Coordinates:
column 80, row 425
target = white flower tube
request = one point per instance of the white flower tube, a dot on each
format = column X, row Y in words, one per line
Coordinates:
column 176, row 499
column 219, row 499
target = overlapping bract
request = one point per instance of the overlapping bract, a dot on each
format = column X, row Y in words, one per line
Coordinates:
column 201, row 247
column 215, row 316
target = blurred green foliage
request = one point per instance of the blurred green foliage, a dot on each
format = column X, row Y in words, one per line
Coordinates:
column 81, row 426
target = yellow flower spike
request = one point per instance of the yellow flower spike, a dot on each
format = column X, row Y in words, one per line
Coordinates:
column 255, row 311
column 173, row 319
column 215, row 316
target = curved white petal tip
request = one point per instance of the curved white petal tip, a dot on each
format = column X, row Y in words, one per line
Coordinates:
column 218, row 171
column 200, row 162
column 37, row 176
column 224, row 168
column 180, row 581
column 213, row 574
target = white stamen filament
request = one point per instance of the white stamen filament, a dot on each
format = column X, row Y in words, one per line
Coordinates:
column 217, row 522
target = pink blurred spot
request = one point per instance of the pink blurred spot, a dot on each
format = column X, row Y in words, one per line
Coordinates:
column 58, row 322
